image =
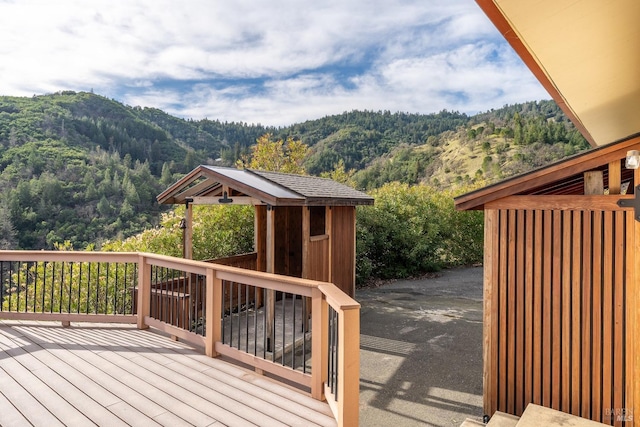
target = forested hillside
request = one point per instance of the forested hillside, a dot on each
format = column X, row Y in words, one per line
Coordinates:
column 82, row 168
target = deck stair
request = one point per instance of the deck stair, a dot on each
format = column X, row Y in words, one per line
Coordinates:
column 534, row 416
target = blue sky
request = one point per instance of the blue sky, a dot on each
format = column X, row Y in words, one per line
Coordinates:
column 275, row 62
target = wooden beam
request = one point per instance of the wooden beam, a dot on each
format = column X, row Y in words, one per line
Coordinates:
column 549, row 174
column 615, row 177
column 306, row 234
column 581, row 203
column 215, row 200
column 188, row 232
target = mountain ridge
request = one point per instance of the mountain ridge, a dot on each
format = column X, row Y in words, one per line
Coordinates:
column 78, row 167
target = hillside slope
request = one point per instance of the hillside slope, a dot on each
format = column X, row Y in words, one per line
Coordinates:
column 82, row 168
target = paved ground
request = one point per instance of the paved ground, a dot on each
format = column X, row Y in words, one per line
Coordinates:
column 421, row 351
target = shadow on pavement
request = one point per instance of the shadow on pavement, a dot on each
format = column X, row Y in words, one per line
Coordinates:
column 421, row 351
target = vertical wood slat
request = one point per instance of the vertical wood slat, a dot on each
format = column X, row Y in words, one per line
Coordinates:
column 607, row 312
column 529, row 307
column 558, row 308
column 618, row 318
column 511, row 314
column 537, row 309
column 567, row 256
column 520, row 327
column 502, row 334
column 556, row 320
column 546, row 310
column 576, row 285
column 585, row 407
column 490, row 324
column 596, row 302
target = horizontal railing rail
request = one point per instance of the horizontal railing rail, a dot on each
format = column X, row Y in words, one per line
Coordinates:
column 303, row 331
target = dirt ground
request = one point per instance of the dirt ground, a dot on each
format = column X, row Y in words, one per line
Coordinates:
column 421, row 351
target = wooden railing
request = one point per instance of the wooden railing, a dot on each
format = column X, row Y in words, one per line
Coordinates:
column 310, row 337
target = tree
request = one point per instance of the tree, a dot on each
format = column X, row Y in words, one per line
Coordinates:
column 272, row 155
column 8, row 238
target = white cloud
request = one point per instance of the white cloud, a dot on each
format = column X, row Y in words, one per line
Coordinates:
column 274, row 62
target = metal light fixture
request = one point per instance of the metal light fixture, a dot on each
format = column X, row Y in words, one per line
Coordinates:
column 633, row 159
column 225, row 198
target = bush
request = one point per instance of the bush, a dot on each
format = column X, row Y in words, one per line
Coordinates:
column 218, row 231
column 412, row 230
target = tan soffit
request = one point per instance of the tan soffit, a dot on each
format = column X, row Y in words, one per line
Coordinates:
column 588, row 51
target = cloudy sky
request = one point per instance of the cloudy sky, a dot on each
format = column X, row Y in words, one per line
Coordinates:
column 274, row 62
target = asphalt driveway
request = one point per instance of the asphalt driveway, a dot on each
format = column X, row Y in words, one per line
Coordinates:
column 421, row 351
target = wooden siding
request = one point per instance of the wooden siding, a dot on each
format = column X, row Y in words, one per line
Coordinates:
column 555, row 310
column 343, row 248
column 318, row 268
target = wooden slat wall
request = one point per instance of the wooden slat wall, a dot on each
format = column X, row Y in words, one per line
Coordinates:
column 343, row 248
column 318, row 268
column 555, row 289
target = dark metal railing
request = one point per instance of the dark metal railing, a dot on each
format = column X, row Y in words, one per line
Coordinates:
column 67, row 287
column 178, row 298
column 274, row 326
column 333, row 349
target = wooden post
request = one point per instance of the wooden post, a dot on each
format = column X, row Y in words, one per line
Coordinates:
column 615, row 177
column 144, row 291
column 213, row 313
column 271, row 264
column 188, row 232
column 349, row 373
column 306, row 235
column 306, row 261
column 489, row 378
column 593, row 183
column 319, row 344
column 328, row 230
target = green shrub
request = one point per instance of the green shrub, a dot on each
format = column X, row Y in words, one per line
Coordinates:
column 218, row 231
column 412, row 230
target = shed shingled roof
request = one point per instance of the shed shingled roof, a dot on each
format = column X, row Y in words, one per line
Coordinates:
column 274, row 188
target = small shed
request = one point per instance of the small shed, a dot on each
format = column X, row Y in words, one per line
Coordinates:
column 561, row 279
column 305, row 226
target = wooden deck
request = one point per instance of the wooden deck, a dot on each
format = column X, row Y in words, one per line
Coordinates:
column 117, row 375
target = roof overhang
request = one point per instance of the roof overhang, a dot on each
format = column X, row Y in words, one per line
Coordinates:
column 585, row 53
column 210, row 185
column 565, row 177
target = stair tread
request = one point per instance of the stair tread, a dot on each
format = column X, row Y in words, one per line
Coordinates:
column 536, row 415
column 471, row 423
column 502, row 419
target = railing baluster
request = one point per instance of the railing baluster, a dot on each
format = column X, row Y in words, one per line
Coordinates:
column 255, row 320
column 224, row 320
column 293, row 332
column 238, row 307
column 79, row 287
column 2, row 285
column 53, row 280
column 264, row 323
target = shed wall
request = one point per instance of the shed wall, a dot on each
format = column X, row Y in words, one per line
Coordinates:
column 343, row 248
column 556, row 284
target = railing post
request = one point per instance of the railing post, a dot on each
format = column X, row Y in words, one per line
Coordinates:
column 319, row 343
column 213, row 313
column 144, row 291
column 349, row 367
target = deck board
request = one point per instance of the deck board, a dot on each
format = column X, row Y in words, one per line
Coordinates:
column 118, row 375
